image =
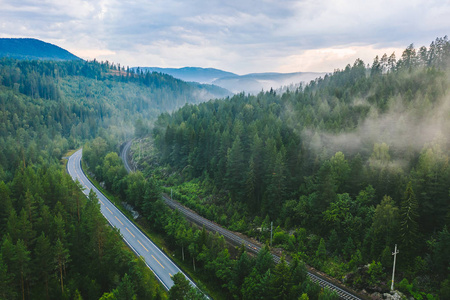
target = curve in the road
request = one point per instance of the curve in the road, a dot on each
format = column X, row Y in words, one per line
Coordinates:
column 162, row 266
column 123, row 155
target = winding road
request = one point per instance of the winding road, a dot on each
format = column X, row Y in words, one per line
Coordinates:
column 162, row 266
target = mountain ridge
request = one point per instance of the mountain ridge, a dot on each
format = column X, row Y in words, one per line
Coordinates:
column 33, row 49
column 197, row 74
column 251, row 83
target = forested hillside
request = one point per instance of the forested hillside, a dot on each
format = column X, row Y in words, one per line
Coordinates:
column 33, row 49
column 55, row 244
column 49, row 107
column 346, row 167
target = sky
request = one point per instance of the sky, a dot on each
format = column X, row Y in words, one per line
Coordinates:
column 244, row 36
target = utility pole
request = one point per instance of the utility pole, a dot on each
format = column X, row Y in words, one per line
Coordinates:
column 271, row 227
column 393, row 269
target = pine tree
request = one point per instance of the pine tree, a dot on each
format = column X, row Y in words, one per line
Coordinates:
column 321, row 252
column 298, row 275
column 281, row 280
column 180, row 288
column 349, row 248
column 409, row 230
column 61, row 259
column 334, row 242
column 5, row 205
column 43, row 262
column 6, row 290
column 22, row 259
column 250, row 186
column 126, row 289
column 235, row 170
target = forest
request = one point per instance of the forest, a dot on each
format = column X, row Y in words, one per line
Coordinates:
column 345, row 167
column 221, row 270
column 55, row 244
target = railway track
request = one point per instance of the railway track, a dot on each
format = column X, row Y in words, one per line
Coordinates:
column 210, row 226
column 343, row 294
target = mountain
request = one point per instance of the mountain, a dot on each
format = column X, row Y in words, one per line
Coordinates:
column 254, row 83
column 369, row 148
column 201, row 75
column 33, row 49
column 250, row 83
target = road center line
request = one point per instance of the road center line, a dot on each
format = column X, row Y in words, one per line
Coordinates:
column 129, row 231
column 144, row 247
column 109, row 210
column 119, row 220
column 159, row 263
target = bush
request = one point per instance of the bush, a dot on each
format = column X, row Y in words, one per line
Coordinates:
column 375, row 272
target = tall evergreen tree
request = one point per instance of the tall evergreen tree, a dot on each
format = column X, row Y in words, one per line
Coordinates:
column 281, row 283
column 409, row 215
column 22, row 260
column 43, row 263
column 235, row 174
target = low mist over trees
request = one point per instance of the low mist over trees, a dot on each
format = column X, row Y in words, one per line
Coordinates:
column 345, row 167
column 358, row 159
column 55, row 244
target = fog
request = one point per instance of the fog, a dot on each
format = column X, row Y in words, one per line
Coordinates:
column 407, row 127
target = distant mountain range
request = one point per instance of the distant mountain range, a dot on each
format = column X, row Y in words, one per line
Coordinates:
column 201, row 75
column 250, row 83
column 256, row 82
column 33, row 49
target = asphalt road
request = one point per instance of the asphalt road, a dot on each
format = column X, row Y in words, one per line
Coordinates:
column 155, row 259
column 124, row 154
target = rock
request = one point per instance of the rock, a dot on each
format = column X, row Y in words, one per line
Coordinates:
column 394, row 295
column 376, row 296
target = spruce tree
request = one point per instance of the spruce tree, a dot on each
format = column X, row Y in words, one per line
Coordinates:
column 409, row 230
column 235, row 170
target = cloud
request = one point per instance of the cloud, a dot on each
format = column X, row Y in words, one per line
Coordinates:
column 241, row 36
column 329, row 59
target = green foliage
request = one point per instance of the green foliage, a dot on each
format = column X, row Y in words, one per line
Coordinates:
column 66, row 252
column 328, row 294
column 409, row 230
column 303, row 159
column 410, row 289
column 182, row 290
column 280, row 238
column 126, row 289
column 234, row 176
column 445, row 289
column 384, row 225
column 321, row 252
column 55, row 243
column 280, row 284
column 356, row 260
column 375, row 272
column 440, row 252
column 334, row 156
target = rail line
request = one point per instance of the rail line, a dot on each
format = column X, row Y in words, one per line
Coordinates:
column 343, row 294
column 199, row 220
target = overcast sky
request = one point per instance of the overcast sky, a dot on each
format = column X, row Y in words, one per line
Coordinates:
column 242, row 36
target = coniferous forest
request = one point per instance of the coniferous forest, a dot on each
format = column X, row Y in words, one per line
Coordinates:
column 55, row 244
column 345, row 167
